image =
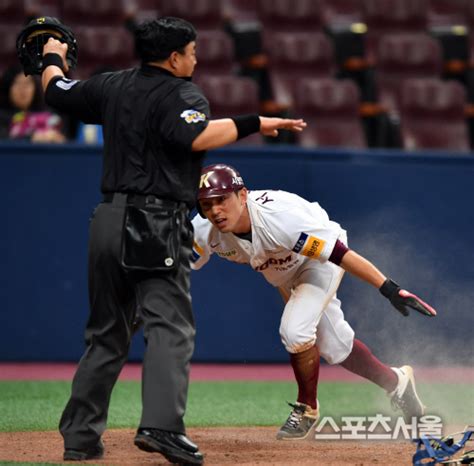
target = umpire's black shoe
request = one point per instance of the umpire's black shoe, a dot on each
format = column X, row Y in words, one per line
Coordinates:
column 176, row 448
column 93, row 453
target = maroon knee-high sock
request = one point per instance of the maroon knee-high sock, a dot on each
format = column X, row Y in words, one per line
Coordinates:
column 362, row 362
column 306, row 368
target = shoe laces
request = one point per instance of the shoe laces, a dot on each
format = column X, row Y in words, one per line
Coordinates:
column 398, row 403
column 295, row 417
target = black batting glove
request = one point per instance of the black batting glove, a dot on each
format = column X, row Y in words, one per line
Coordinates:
column 402, row 300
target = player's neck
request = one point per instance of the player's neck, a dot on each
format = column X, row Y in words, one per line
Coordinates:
column 243, row 225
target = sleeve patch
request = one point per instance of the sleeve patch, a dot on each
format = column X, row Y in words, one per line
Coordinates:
column 309, row 246
column 192, row 116
column 66, row 84
column 197, row 252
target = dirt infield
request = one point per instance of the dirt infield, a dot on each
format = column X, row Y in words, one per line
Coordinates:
column 221, row 446
column 246, row 446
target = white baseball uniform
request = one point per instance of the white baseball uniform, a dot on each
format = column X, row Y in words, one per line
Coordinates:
column 292, row 240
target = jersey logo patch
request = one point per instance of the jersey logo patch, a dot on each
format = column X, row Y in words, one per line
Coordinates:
column 66, row 84
column 233, row 252
column 309, row 246
column 197, row 252
column 192, row 116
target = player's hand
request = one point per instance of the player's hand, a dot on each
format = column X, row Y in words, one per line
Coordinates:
column 270, row 126
column 55, row 46
column 402, row 300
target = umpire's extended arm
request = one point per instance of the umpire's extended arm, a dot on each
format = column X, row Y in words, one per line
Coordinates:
column 218, row 133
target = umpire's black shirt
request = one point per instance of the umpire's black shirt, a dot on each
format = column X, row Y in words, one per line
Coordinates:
column 150, row 119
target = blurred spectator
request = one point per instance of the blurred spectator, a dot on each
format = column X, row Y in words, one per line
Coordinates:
column 22, row 112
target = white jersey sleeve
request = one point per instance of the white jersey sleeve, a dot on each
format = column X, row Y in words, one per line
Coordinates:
column 201, row 250
column 302, row 227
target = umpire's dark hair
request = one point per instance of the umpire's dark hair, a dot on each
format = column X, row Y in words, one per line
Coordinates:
column 157, row 39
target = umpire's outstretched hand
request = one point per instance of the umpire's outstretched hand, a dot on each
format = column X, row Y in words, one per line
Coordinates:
column 270, row 126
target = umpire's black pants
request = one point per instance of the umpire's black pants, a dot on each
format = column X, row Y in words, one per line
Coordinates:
column 164, row 303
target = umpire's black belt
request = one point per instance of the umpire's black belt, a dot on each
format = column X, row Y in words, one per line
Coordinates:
column 142, row 200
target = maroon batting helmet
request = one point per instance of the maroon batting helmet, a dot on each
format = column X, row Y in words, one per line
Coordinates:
column 217, row 180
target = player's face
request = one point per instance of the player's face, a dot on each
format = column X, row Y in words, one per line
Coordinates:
column 185, row 62
column 228, row 212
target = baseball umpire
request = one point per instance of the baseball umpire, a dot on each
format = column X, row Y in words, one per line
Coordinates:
column 298, row 249
column 156, row 131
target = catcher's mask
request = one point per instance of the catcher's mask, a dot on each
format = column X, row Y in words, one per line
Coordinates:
column 217, row 180
column 31, row 40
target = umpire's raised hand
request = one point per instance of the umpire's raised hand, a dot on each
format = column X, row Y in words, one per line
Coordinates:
column 57, row 47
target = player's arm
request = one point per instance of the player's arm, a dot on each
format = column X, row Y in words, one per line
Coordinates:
column 357, row 265
column 222, row 132
column 201, row 252
column 401, row 299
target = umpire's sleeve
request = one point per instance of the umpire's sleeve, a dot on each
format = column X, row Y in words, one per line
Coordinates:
column 186, row 115
column 78, row 98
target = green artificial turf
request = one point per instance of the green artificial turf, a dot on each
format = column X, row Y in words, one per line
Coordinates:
column 37, row 405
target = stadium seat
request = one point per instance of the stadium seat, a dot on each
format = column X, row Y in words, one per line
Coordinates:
column 470, row 14
column 297, row 55
column 400, row 56
column 432, row 115
column 144, row 9
column 393, row 16
column 203, row 14
column 103, row 47
column 240, row 10
column 229, row 96
column 45, row 8
column 13, row 11
column 342, row 12
column 331, row 110
column 147, row 4
column 95, row 12
column 8, row 35
column 214, row 52
column 447, row 12
column 471, row 47
column 290, row 15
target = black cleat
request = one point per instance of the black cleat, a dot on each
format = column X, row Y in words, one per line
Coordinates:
column 176, row 448
column 93, row 453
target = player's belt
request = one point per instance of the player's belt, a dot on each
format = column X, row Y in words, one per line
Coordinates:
column 141, row 200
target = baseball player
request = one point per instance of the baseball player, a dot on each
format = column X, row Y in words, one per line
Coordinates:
column 303, row 253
